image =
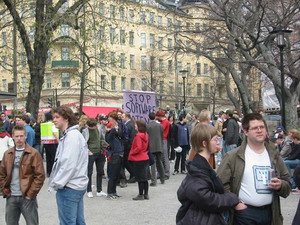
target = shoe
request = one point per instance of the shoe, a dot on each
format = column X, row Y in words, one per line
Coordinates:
column 146, row 197
column 183, row 172
column 176, row 172
column 153, row 184
column 166, row 177
column 111, row 197
column 162, row 181
column 100, row 194
column 90, row 194
column 296, row 191
column 172, row 161
column 131, row 180
column 138, row 197
column 117, row 196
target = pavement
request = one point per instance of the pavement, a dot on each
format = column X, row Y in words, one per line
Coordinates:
column 161, row 209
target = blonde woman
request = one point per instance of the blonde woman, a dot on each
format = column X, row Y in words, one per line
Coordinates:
column 201, row 193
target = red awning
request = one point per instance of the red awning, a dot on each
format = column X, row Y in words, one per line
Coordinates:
column 92, row 112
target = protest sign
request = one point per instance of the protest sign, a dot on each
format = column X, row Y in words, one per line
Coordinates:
column 139, row 104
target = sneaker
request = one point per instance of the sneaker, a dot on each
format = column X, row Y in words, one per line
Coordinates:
column 111, row 197
column 296, row 191
column 183, row 172
column 138, row 197
column 100, row 194
column 146, row 197
column 153, row 184
column 176, row 172
column 90, row 194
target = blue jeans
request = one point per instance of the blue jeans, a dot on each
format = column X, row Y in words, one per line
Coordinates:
column 227, row 148
column 17, row 205
column 292, row 164
column 70, row 206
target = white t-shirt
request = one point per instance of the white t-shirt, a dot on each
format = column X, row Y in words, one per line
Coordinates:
column 254, row 187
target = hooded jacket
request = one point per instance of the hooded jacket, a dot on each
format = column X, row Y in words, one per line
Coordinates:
column 139, row 148
column 71, row 161
column 202, row 196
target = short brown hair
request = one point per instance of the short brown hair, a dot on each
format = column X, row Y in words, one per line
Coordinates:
column 252, row 116
column 204, row 115
column 141, row 125
column 203, row 132
column 66, row 113
column 113, row 115
column 296, row 135
column 91, row 122
column 19, row 128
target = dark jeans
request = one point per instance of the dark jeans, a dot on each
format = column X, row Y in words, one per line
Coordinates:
column 253, row 216
column 159, row 166
column 99, row 160
column 50, row 150
column 181, row 156
column 171, row 151
column 15, row 205
column 116, row 164
column 126, row 165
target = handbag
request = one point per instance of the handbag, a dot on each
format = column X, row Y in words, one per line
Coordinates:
column 151, row 158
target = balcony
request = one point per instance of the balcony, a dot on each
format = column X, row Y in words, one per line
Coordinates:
column 65, row 64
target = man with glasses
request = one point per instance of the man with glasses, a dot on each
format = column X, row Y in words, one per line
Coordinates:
column 257, row 174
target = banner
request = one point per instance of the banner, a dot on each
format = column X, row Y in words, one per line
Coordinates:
column 139, row 104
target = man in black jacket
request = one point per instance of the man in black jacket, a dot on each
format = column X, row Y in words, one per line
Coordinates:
column 231, row 132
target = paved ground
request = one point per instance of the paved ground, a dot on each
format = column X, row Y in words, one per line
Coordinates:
column 159, row 210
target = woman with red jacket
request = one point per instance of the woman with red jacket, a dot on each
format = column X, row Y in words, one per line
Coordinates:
column 139, row 156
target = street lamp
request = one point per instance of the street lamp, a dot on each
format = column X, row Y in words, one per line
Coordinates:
column 281, row 44
column 183, row 72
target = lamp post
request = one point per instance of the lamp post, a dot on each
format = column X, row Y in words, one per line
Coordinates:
column 281, row 44
column 183, row 72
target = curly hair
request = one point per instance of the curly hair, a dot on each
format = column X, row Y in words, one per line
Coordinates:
column 66, row 113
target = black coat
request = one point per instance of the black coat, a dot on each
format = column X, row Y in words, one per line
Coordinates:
column 202, row 196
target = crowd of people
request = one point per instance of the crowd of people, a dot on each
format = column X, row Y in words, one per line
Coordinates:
column 252, row 171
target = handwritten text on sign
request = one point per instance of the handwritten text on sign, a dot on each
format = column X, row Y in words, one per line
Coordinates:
column 139, row 104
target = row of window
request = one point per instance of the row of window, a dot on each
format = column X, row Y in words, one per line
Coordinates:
column 146, row 18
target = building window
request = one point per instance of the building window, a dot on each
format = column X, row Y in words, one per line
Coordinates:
column 159, row 21
column 48, row 56
column 122, row 13
column 4, row 39
column 102, row 58
column 143, row 39
column 113, row 83
column 188, row 26
column 152, row 41
column 23, row 59
column 131, row 16
column 112, row 11
column 212, row 90
column 122, row 60
column 112, row 35
column 160, row 43
column 113, row 59
column 188, row 68
column 132, row 62
column 123, row 83
column 170, row 66
column 131, row 38
column 65, row 80
column 132, row 83
column 199, row 90
column 198, row 69
column 179, row 67
column 101, row 9
column 102, row 82
column 143, row 62
column 122, row 37
column 180, row 88
column 48, row 80
column 64, row 30
column 178, row 25
column 161, row 87
column 23, row 84
column 142, row 17
column 206, row 69
column 220, row 90
column 144, row 84
column 161, row 65
column 189, row 89
column 3, row 62
column 206, row 90
column 169, row 23
column 102, row 33
column 65, row 53
column 4, row 18
column 4, row 85
column 171, row 88
column 170, row 44
column 151, row 19
column 197, row 27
